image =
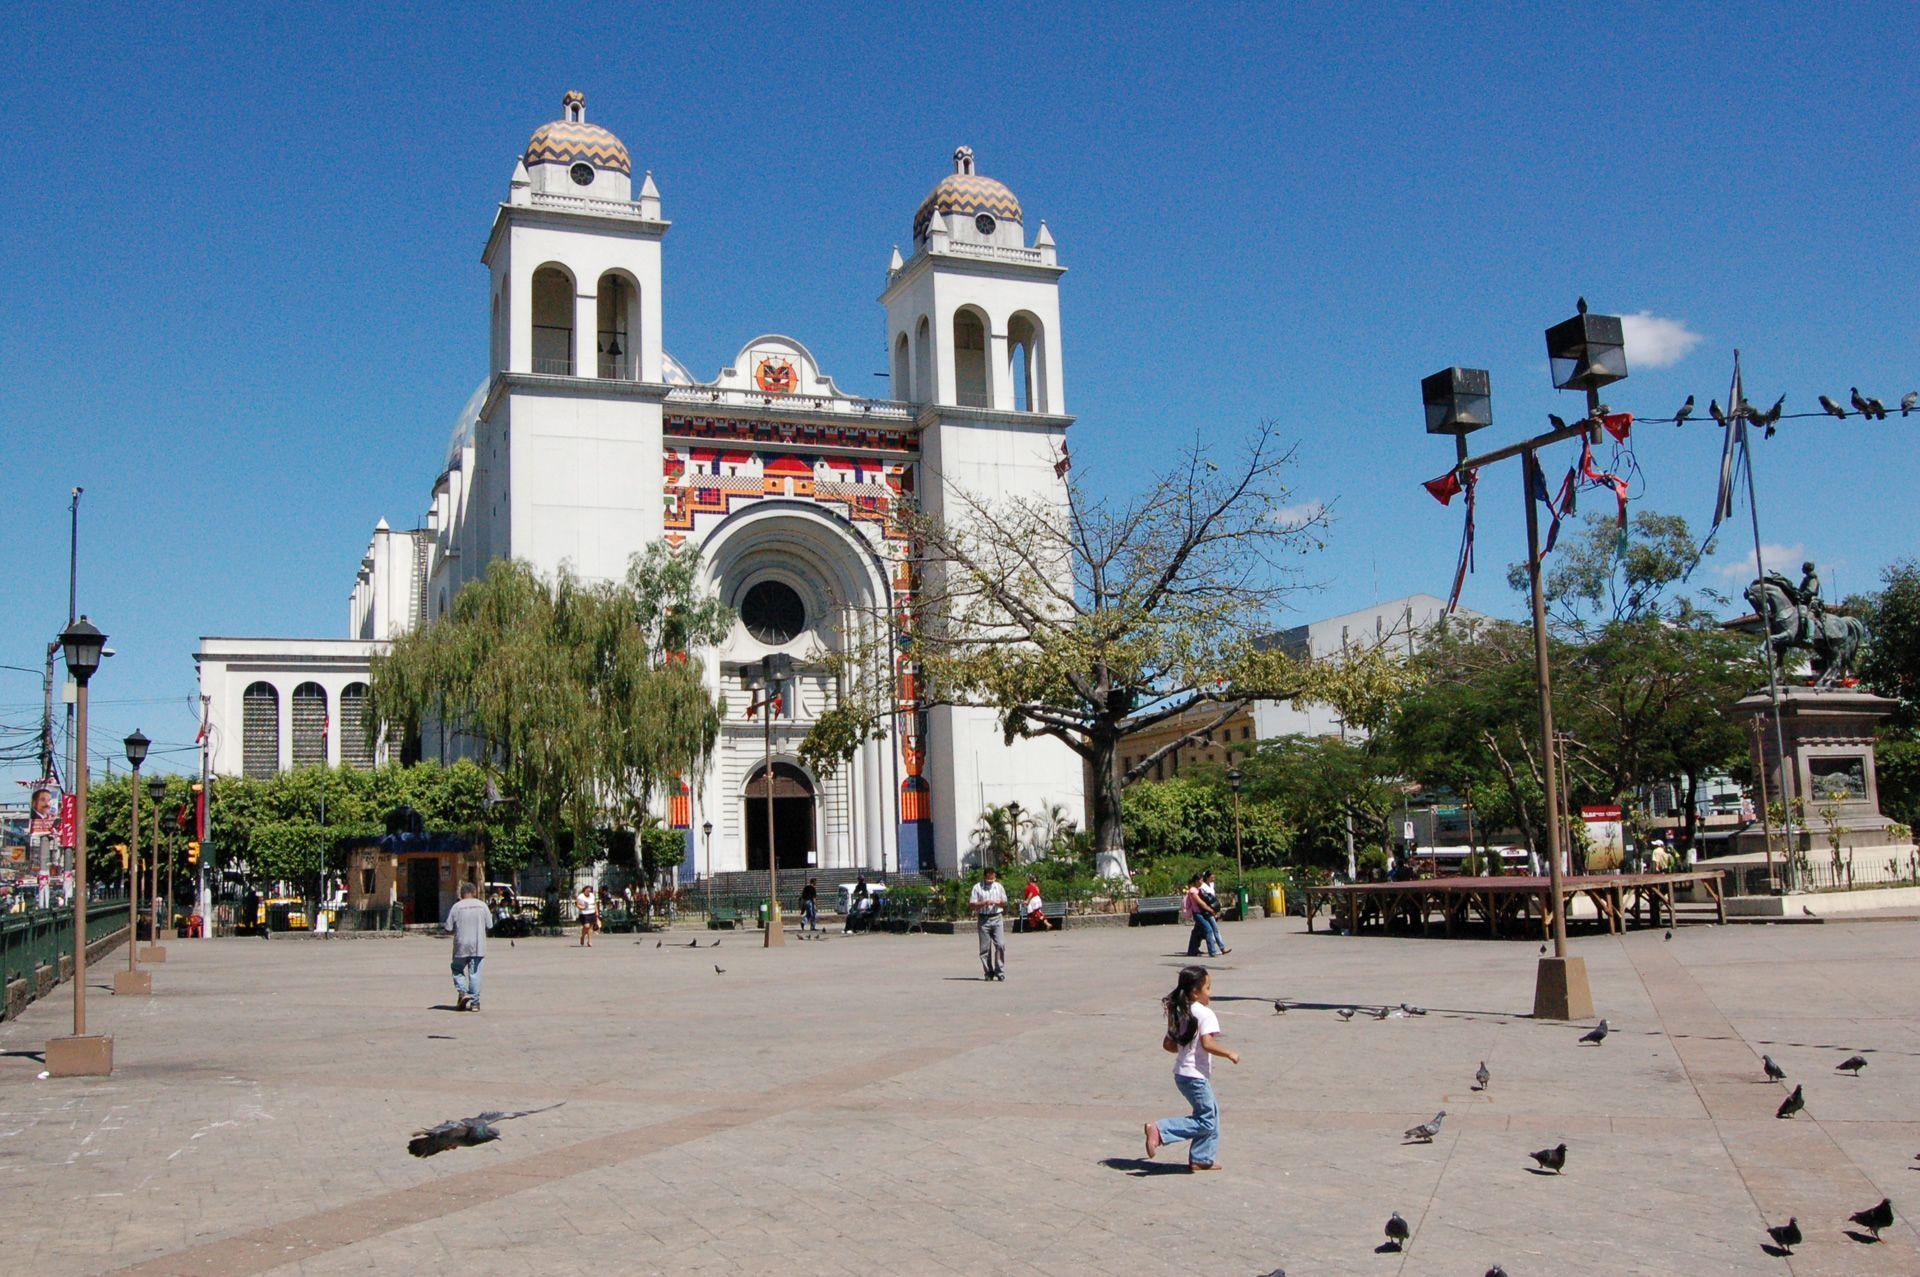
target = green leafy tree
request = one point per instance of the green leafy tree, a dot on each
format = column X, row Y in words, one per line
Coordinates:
column 1324, row 787
column 1891, row 664
column 583, row 699
column 1594, row 579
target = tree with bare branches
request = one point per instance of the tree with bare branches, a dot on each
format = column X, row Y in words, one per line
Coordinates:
column 1093, row 620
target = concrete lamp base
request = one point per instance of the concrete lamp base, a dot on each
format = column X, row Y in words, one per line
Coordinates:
column 1560, row 990
column 132, row 984
column 89, row 1056
column 776, row 934
column 153, row 953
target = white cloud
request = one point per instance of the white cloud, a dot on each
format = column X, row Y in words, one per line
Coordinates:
column 1299, row 516
column 1656, row 342
column 1784, row 559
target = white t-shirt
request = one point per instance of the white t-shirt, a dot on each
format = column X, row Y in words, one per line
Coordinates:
column 586, row 903
column 994, row 897
column 1192, row 1060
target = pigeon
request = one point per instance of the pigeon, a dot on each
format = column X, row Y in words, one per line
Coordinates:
column 1381, row 1014
column 1713, row 407
column 1481, row 1078
column 1773, row 1071
column 1552, row 1159
column 1686, row 410
column 1597, row 1034
column 1771, row 416
column 464, row 1132
column 1860, row 405
column 1832, row 407
column 1398, row 1234
column 715, row 945
column 1876, row 409
column 1558, row 423
column 693, row 944
column 1810, row 913
column 1875, row 1218
column 1345, row 1013
column 658, row 943
column 1669, row 933
column 1792, row 1104
column 1425, row 1132
column 1909, row 401
column 1279, row 1007
column 1852, row 1064
column 718, row 969
column 1786, row 1236
column 1414, row 1010
column 1543, row 948
column 1496, row 1271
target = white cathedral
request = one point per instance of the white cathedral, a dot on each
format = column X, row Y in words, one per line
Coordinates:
column 587, row 442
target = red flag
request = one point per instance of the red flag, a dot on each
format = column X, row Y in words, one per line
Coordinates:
column 1444, row 488
column 1618, row 425
column 1064, row 464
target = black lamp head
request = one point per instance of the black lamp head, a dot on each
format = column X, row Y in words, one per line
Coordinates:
column 81, row 644
column 137, row 745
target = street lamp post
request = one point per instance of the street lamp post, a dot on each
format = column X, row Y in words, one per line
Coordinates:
column 1585, row 352
column 81, row 1055
column 154, row 952
column 1013, row 830
column 706, row 832
column 775, row 669
column 133, row 981
column 1235, row 779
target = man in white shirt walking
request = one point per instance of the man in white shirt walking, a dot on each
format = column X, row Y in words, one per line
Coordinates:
column 989, row 904
column 469, row 921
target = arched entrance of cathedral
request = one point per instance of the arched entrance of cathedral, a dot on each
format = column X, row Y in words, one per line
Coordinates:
column 793, row 832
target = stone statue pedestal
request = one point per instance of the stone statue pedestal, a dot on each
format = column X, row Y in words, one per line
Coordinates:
column 1829, row 755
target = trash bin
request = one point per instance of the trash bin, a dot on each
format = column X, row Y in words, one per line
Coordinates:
column 1240, row 904
column 763, row 915
column 1276, row 901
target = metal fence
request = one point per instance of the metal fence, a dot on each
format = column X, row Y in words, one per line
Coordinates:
column 1818, row 871
column 38, row 937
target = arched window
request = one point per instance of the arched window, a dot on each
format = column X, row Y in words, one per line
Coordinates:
column 923, row 385
column 356, row 750
column 553, row 321
column 902, row 369
column 970, row 360
column 260, row 731
column 1024, row 363
column 618, row 301
column 309, row 725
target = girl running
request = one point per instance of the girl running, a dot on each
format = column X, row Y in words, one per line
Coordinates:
column 1192, row 1036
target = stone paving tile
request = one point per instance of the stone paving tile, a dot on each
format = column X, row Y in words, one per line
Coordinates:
column 864, row 1105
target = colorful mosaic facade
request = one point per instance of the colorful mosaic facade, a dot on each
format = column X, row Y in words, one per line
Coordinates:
column 966, row 193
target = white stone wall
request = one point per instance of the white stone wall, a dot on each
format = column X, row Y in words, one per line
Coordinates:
column 228, row 666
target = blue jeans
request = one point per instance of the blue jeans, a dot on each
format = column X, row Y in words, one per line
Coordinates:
column 1203, row 1127
column 1204, row 928
column 810, row 913
column 466, row 978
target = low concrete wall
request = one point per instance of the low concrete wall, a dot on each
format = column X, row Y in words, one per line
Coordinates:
column 1824, row 904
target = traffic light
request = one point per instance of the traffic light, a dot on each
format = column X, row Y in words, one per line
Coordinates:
column 193, row 853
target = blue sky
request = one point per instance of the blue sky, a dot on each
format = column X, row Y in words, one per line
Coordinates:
column 246, row 302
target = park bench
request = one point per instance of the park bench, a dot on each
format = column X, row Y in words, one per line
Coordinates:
column 727, row 918
column 1151, row 909
column 1054, row 911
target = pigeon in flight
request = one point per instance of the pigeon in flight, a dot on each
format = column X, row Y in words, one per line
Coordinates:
column 1792, row 1104
column 464, row 1132
column 1832, row 407
column 1552, row 1159
column 1398, row 1234
column 1909, row 401
column 1686, row 410
column 1852, row 1064
column 1786, row 1236
column 1773, row 1071
column 1425, row 1132
column 1875, row 1218
column 1481, row 1078
column 1597, row 1034
column 1345, row 1013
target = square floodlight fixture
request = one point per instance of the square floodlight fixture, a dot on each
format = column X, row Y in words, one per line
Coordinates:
column 1588, row 351
column 1459, row 401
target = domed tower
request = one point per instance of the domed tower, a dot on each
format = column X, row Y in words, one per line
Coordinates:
column 973, row 315
column 576, row 259
column 973, row 331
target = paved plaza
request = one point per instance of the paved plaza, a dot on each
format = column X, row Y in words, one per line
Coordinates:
column 868, row 1105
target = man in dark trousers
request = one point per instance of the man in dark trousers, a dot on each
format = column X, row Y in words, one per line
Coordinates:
column 810, row 905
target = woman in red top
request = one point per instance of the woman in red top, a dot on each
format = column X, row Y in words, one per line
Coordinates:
column 1033, row 908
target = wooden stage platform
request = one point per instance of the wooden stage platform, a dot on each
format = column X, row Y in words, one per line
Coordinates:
column 1514, row 906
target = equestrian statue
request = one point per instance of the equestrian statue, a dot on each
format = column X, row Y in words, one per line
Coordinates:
column 1797, row 617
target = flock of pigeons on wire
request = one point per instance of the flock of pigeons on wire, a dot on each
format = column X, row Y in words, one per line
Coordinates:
column 1553, row 1161
column 1864, row 406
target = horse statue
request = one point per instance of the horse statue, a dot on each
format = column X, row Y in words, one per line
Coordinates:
column 1833, row 641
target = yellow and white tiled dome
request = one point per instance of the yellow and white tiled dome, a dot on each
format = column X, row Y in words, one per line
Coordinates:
column 964, row 191
column 572, row 139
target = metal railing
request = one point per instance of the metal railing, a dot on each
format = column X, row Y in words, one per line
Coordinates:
column 37, row 938
column 1816, row 870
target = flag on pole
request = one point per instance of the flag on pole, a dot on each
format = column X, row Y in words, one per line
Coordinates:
column 1444, row 488
column 1469, row 479
column 1733, row 448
